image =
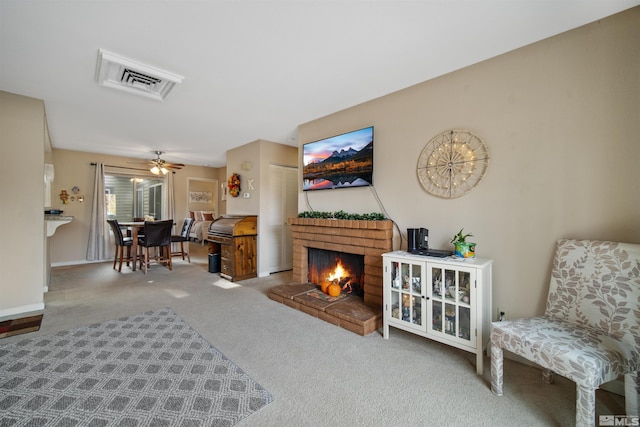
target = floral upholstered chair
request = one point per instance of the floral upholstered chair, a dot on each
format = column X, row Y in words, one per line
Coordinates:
column 590, row 332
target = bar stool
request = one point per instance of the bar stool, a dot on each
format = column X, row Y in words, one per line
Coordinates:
column 122, row 242
column 182, row 238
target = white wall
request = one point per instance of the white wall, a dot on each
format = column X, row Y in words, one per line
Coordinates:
column 561, row 120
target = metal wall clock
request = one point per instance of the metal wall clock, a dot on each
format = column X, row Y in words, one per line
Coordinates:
column 452, row 163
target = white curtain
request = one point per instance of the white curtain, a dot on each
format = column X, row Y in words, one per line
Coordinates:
column 99, row 247
column 169, row 205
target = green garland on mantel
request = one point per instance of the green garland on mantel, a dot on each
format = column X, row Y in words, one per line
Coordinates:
column 342, row 215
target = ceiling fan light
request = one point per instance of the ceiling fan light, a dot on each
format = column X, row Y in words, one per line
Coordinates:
column 155, row 170
column 164, row 170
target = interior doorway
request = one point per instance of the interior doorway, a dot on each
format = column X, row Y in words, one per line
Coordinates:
column 283, row 204
column 202, row 195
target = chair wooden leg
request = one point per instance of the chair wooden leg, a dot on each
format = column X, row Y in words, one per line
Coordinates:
column 188, row 256
column 144, row 259
column 115, row 258
column 169, row 257
column 161, row 254
column 121, row 256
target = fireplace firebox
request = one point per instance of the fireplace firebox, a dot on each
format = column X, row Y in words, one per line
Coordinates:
column 331, row 266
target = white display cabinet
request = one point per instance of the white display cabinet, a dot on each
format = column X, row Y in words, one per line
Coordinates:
column 443, row 299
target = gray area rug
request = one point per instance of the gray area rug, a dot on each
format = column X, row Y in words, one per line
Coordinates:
column 149, row 369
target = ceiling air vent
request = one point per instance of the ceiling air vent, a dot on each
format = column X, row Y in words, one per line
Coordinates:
column 125, row 74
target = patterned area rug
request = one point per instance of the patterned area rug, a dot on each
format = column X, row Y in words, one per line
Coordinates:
column 150, row 369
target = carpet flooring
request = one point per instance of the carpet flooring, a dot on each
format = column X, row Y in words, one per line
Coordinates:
column 149, row 369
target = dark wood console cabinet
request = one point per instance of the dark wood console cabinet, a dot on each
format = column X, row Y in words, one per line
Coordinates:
column 234, row 238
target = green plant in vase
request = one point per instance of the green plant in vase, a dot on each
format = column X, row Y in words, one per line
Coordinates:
column 463, row 248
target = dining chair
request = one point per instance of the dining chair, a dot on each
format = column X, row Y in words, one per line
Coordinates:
column 157, row 234
column 183, row 238
column 122, row 242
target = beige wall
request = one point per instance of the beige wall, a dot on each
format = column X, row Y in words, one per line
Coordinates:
column 260, row 154
column 561, row 120
column 235, row 158
column 23, row 141
column 73, row 168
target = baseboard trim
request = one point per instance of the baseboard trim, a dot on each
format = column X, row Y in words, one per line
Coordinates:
column 84, row 261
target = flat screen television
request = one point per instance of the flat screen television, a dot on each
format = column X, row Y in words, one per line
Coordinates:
column 341, row 161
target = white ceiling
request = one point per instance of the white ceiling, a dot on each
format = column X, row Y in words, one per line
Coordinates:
column 252, row 69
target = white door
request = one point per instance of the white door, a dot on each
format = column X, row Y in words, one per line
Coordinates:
column 283, row 204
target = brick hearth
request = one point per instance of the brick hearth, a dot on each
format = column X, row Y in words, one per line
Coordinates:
column 368, row 238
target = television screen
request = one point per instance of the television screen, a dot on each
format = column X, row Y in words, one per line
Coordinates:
column 342, row 161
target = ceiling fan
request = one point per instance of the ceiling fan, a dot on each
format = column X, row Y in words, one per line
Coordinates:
column 159, row 166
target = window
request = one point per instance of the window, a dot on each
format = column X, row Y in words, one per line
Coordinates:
column 127, row 197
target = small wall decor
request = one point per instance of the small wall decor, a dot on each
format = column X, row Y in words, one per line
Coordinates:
column 223, row 192
column 200, row 197
column 452, row 163
column 64, row 196
column 234, row 185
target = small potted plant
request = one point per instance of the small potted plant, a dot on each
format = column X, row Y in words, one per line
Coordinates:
column 463, row 248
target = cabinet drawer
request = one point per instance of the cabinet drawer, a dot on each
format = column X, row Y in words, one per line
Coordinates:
column 225, row 251
column 226, row 267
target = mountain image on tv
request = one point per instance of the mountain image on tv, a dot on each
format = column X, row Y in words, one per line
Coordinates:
column 343, row 161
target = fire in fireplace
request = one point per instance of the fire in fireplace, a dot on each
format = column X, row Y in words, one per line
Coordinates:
column 347, row 269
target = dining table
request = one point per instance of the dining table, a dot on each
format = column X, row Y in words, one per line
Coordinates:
column 133, row 228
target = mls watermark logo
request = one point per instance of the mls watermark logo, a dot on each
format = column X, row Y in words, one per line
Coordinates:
column 619, row 420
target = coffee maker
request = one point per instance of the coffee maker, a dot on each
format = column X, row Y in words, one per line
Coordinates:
column 418, row 243
column 417, row 240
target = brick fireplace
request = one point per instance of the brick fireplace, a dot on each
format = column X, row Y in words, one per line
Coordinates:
column 368, row 238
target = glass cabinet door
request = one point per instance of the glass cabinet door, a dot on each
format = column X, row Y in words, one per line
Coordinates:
column 406, row 293
column 452, row 298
